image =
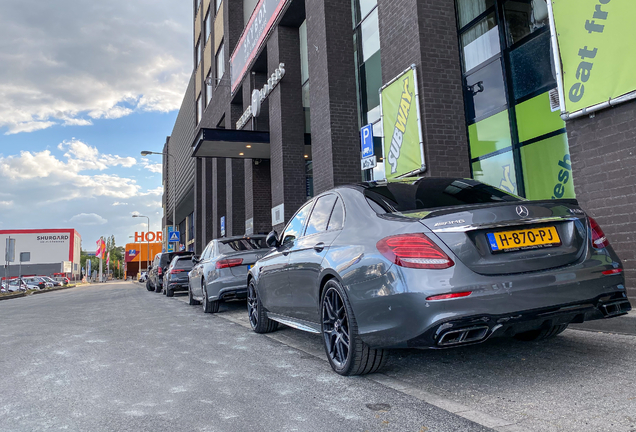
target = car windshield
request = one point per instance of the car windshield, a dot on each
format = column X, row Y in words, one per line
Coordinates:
column 429, row 193
column 183, row 264
column 244, row 244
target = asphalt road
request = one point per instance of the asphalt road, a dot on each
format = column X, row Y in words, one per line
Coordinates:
column 118, row 358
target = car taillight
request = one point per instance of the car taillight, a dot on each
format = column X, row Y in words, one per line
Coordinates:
column 449, row 296
column 613, row 271
column 414, row 251
column 226, row 263
column 175, row 271
column 599, row 241
column 159, row 270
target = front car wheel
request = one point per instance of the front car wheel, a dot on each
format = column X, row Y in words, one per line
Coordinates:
column 258, row 318
column 346, row 352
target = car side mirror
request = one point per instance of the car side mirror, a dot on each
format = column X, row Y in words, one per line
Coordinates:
column 272, row 239
column 195, row 259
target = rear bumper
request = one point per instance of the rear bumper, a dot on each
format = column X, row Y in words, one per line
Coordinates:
column 178, row 286
column 478, row 328
column 227, row 288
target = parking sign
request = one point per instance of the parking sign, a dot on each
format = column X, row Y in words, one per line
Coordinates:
column 366, row 138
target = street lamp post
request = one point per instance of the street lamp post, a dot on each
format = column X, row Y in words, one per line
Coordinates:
column 147, row 241
column 174, row 190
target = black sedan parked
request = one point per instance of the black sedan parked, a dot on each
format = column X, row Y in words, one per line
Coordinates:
column 433, row 263
column 176, row 276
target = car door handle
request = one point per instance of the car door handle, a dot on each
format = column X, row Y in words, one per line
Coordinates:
column 318, row 247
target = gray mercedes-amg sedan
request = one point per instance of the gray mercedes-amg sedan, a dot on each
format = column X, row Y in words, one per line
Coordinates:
column 432, row 262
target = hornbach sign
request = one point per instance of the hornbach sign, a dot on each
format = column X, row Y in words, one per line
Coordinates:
column 261, row 22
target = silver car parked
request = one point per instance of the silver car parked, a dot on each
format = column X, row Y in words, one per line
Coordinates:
column 432, row 263
column 220, row 273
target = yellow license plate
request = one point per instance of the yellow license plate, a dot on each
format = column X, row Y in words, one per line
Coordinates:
column 535, row 238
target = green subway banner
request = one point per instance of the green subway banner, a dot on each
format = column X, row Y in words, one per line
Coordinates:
column 401, row 139
column 596, row 40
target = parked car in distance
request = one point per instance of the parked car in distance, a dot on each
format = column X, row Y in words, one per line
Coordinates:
column 51, row 280
column 62, row 279
column 143, row 277
column 432, row 263
column 158, row 268
column 25, row 284
column 220, row 273
column 176, row 276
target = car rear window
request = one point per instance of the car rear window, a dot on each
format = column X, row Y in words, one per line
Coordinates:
column 185, row 264
column 244, row 244
column 429, row 193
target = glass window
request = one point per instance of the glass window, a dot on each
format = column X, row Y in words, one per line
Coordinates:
column 428, row 193
column 220, row 62
column 199, row 108
column 364, row 7
column 337, row 217
column 480, row 42
column 547, row 169
column 244, row 244
column 535, row 118
column 498, row 171
column 248, row 9
column 295, row 226
column 485, row 91
column 198, row 52
column 217, row 4
column 182, row 263
column 468, row 10
column 304, row 60
column 371, row 74
column 306, row 108
column 208, row 88
column 208, row 25
column 370, row 31
column 523, row 18
column 489, row 135
column 531, row 66
column 320, row 215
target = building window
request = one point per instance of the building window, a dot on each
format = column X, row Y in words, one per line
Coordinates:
column 199, row 109
column 208, row 88
column 207, row 25
column 217, row 5
column 248, row 10
column 198, row 53
column 220, row 63
column 366, row 36
column 515, row 138
column 304, row 74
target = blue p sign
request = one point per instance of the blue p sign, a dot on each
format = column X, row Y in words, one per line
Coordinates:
column 366, row 137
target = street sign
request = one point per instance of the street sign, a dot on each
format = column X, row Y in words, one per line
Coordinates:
column 170, row 247
column 174, row 237
column 10, row 250
column 366, row 138
column 222, row 226
column 25, row 257
column 369, row 163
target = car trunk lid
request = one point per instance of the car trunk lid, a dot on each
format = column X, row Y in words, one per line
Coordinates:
column 510, row 238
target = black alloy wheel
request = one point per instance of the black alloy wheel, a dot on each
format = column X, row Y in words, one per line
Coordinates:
column 148, row 287
column 209, row 306
column 258, row 319
column 346, row 352
column 169, row 292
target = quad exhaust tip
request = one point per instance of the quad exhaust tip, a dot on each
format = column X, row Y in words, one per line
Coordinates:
column 463, row 336
column 616, row 308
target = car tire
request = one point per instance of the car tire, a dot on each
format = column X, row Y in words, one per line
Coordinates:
column 191, row 300
column 256, row 314
column 148, row 287
column 338, row 327
column 209, row 306
column 541, row 334
column 159, row 288
column 169, row 292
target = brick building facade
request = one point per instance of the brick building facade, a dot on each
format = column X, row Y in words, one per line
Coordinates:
column 486, row 88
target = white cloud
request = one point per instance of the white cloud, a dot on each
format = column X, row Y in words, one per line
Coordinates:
column 152, row 167
column 66, row 60
column 41, row 190
column 88, row 219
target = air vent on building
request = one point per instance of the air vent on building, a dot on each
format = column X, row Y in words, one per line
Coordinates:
column 554, row 100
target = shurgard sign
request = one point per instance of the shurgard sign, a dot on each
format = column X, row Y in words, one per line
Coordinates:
column 598, row 54
column 400, row 124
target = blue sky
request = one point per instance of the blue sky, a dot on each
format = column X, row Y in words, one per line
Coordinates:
column 84, row 88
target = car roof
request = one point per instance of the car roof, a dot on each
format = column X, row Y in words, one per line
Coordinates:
column 248, row 237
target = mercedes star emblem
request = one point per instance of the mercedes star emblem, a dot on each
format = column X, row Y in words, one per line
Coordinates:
column 522, row 211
